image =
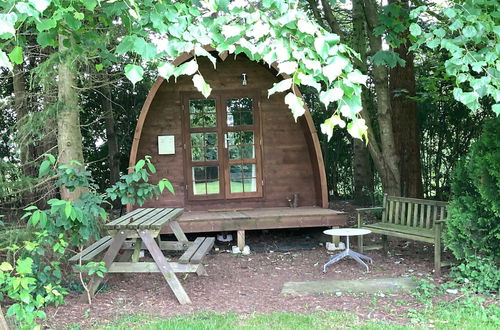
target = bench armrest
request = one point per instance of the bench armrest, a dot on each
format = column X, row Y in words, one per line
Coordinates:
column 370, row 209
column 366, row 210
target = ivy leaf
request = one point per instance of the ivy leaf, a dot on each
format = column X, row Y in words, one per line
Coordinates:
column 4, row 61
column 280, row 87
column 134, row 73
column 166, row 70
column 296, row 104
column 201, row 85
column 415, row 29
column 469, row 31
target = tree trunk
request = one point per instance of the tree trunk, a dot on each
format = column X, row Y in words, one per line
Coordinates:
column 405, row 119
column 362, row 166
column 21, row 107
column 69, row 136
column 113, row 150
column 384, row 155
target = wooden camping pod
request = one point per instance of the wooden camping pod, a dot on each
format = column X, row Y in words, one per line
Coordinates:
column 288, row 154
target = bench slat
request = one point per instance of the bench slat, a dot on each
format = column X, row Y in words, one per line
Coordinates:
column 137, row 223
column 166, row 214
column 186, row 256
column 126, row 216
column 203, row 250
column 418, row 236
column 93, row 250
column 174, row 214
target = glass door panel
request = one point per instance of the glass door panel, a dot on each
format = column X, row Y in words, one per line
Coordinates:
column 203, row 149
column 242, row 144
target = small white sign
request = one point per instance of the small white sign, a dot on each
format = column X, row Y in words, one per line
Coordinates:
column 166, row 145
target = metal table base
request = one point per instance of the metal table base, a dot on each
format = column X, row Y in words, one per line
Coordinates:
column 348, row 252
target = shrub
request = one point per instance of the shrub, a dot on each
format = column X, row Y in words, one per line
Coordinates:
column 473, row 233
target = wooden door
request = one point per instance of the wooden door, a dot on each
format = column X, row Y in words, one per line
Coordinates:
column 223, row 145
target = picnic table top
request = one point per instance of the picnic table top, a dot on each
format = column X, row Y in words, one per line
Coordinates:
column 145, row 218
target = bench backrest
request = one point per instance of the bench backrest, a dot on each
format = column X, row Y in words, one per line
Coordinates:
column 413, row 212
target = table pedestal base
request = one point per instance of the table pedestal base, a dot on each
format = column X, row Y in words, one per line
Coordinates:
column 354, row 255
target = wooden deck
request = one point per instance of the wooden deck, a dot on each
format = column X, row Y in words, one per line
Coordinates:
column 260, row 218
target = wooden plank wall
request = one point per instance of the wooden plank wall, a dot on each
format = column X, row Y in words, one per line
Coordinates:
column 286, row 160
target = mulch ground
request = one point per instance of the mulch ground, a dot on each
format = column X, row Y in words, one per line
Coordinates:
column 248, row 284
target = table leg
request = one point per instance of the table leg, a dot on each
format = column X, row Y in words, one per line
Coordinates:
column 164, row 266
column 110, row 255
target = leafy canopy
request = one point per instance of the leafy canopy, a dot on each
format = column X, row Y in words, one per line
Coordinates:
column 155, row 32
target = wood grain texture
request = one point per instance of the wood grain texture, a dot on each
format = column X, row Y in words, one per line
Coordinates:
column 291, row 155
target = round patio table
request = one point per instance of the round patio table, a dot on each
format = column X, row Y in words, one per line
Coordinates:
column 348, row 252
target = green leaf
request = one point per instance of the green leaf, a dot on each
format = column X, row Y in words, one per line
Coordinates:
column 44, row 168
column 296, row 105
column 415, row 29
column 332, row 71
column 16, row 55
column 166, row 70
column 140, row 164
column 99, row 67
column 46, row 24
column 126, row 45
column 67, row 209
column 7, row 24
column 288, row 67
column 27, row 9
column 201, row 85
column 6, row 267
column 146, row 49
column 309, row 81
column 46, row 39
column 40, row 5
column 496, row 108
column 188, row 68
column 321, row 46
column 72, row 22
column 331, row 95
column 280, row 87
column 89, row 4
column 306, row 27
column 23, row 266
column 357, row 128
column 469, row 31
column 357, row 77
column 4, row 61
column 449, row 12
column 25, row 297
column 134, row 73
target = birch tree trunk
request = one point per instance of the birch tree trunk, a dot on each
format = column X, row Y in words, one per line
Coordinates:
column 69, row 136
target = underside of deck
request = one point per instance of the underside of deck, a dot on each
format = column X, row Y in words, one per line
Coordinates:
column 260, row 218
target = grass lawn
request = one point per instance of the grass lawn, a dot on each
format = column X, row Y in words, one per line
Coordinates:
column 468, row 313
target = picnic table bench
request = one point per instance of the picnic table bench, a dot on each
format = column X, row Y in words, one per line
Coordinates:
column 417, row 219
column 136, row 231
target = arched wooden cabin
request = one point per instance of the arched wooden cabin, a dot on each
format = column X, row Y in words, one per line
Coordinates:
column 236, row 158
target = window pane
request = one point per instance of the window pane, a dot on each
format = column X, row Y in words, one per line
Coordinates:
column 211, row 154
column 211, row 139
column 212, row 172
column 200, row 188
column 197, row 120
column 247, row 137
column 197, row 154
column 199, row 173
column 236, row 186
column 239, row 111
column 197, row 106
column 235, row 172
column 247, row 152
column 234, row 152
column 233, row 138
column 250, row 185
column 197, row 139
column 210, row 120
column 213, row 187
column 249, row 171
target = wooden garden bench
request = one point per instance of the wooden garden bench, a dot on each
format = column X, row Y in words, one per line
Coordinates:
column 417, row 219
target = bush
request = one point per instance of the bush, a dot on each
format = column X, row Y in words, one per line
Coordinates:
column 473, row 233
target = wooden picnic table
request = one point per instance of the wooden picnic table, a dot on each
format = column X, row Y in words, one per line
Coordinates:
column 137, row 231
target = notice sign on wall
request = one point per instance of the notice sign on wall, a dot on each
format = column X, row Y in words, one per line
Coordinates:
column 166, row 145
